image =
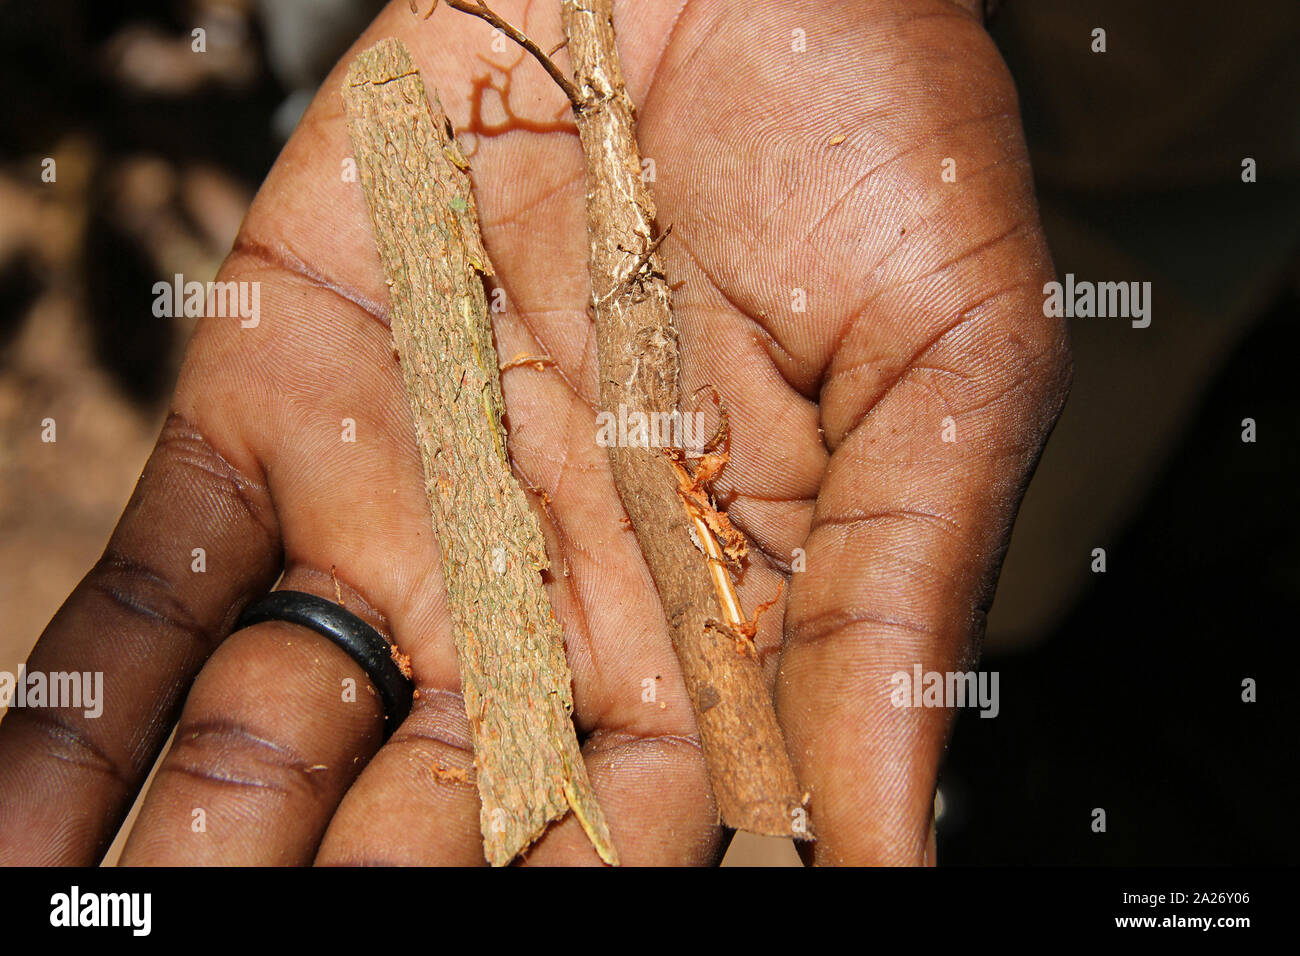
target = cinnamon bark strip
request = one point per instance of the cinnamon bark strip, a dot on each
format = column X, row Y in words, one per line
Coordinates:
column 514, row 676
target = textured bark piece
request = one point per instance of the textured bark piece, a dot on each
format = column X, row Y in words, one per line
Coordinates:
column 514, row 676
column 752, row 778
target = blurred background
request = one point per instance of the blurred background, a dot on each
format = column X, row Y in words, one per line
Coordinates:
column 1119, row 690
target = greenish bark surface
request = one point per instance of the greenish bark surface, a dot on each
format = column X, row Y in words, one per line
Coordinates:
column 514, row 676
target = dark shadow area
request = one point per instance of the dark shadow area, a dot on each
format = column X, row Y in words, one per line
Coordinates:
column 85, row 97
column 19, row 286
column 119, row 277
column 1135, row 704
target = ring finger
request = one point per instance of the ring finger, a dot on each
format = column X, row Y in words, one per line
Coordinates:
column 275, row 729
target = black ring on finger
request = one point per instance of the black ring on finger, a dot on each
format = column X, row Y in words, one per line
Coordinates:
column 362, row 643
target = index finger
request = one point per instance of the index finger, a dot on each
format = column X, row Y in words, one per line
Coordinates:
column 142, row 621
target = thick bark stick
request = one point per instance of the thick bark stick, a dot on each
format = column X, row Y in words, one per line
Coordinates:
column 514, row 676
column 750, row 770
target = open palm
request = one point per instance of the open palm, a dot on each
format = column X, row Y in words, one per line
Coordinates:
column 873, row 326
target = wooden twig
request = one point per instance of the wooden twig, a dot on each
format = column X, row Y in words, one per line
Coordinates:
column 637, row 341
column 481, row 10
column 514, row 676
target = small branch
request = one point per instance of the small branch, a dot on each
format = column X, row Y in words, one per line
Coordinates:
column 640, row 367
column 478, row 8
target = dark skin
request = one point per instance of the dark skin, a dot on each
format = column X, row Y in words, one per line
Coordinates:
column 924, row 303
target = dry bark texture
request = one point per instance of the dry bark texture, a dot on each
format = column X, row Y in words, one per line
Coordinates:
column 514, row 676
column 752, row 779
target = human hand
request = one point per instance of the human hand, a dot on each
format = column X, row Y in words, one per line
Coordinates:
column 923, row 304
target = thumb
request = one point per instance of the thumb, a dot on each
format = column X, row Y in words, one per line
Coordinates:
column 911, row 522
